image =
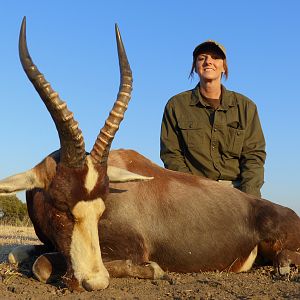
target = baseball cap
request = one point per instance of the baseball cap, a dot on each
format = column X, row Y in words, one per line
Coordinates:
column 207, row 45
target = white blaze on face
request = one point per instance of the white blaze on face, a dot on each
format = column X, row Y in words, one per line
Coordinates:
column 92, row 175
column 85, row 248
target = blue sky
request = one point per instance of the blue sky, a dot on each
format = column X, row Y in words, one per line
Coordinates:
column 73, row 44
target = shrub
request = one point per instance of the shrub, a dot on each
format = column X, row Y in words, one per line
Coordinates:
column 13, row 211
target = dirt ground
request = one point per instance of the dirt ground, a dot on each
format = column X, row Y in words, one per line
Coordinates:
column 259, row 283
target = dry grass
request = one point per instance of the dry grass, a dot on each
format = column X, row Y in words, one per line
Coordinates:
column 12, row 236
column 8, row 272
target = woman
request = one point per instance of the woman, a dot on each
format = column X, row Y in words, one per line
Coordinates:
column 213, row 132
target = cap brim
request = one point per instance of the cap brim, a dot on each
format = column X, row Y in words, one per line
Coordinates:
column 209, row 46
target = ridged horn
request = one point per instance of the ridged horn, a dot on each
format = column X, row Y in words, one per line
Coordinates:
column 71, row 140
column 105, row 137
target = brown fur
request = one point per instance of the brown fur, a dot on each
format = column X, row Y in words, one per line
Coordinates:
column 182, row 222
column 195, row 215
column 50, row 208
column 46, row 170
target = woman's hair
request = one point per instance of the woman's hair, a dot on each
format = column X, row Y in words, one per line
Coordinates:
column 194, row 68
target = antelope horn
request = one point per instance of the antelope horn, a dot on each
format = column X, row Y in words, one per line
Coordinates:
column 105, row 137
column 71, row 140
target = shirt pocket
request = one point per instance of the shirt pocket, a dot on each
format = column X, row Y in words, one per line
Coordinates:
column 235, row 141
column 192, row 133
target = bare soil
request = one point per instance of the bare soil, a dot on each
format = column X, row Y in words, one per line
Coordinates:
column 259, row 283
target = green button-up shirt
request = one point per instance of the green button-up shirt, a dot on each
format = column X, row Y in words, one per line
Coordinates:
column 225, row 144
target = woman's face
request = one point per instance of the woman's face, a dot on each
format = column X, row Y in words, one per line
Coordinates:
column 209, row 66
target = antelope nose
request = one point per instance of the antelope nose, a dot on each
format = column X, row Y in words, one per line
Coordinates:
column 97, row 282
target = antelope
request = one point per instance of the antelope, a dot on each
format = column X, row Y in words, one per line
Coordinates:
column 145, row 219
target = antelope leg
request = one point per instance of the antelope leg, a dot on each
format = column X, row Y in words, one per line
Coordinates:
column 285, row 259
column 125, row 268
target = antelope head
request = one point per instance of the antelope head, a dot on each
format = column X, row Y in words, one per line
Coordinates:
column 70, row 185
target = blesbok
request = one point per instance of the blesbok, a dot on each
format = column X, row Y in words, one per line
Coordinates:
column 167, row 221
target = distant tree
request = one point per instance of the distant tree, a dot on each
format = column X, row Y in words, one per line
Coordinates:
column 13, row 211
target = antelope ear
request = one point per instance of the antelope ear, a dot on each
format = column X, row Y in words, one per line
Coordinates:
column 38, row 177
column 19, row 182
column 116, row 174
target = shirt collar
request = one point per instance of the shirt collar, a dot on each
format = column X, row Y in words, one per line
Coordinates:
column 227, row 100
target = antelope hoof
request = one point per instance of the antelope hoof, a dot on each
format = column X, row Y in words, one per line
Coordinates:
column 20, row 254
column 284, row 270
column 49, row 267
column 158, row 272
